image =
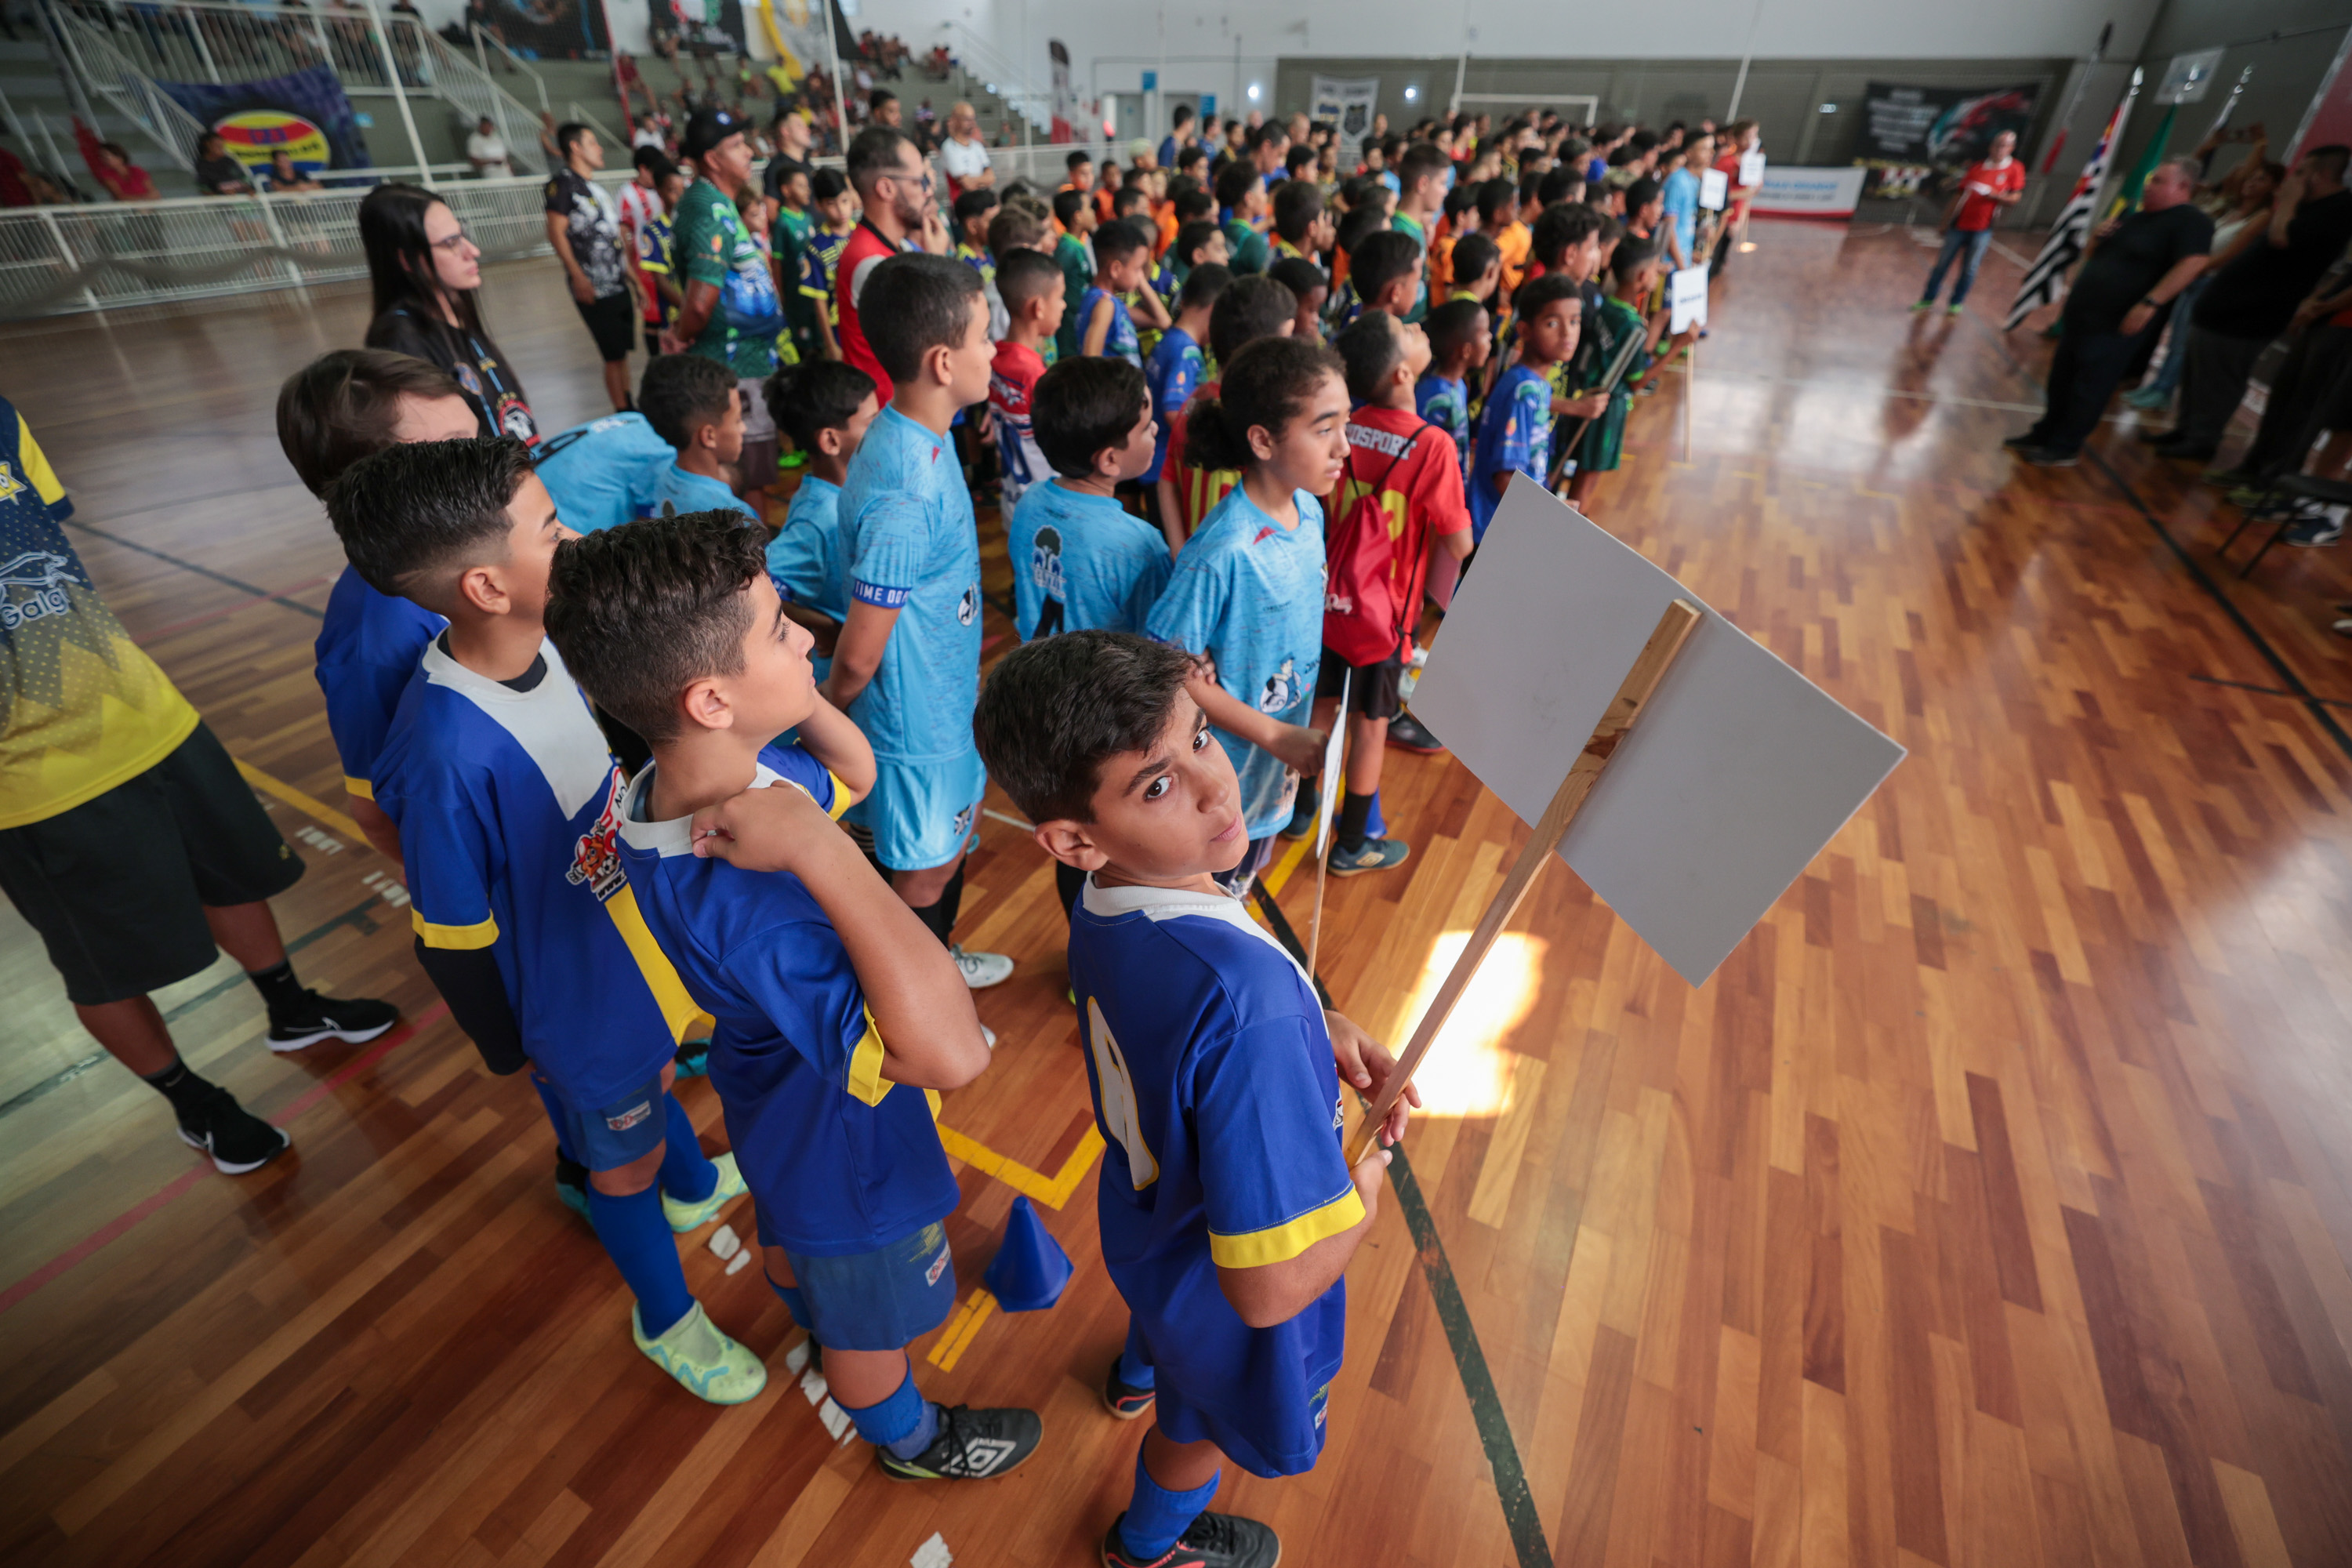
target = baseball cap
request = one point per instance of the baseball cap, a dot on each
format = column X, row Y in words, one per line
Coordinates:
column 708, row 128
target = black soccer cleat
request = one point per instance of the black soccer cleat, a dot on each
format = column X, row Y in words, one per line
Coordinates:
column 355, row 1019
column 236, row 1140
column 972, row 1446
column 1123, row 1398
column 1212, row 1541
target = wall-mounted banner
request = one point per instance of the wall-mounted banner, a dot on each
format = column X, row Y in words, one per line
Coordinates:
column 1792, row 192
column 1350, row 104
column 303, row 114
column 1911, row 135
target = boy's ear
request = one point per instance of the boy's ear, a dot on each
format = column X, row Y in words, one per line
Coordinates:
column 483, row 589
column 830, row 440
column 705, row 704
column 1071, row 843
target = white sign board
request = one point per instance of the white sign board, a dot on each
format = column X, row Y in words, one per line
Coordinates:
column 1808, row 192
column 1327, row 810
column 1687, row 298
column 1349, row 103
column 2188, row 77
column 1752, row 170
column 1741, row 771
column 1713, row 185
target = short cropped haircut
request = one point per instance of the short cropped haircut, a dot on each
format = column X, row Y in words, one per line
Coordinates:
column 1298, row 161
column 641, row 611
column 1549, row 289
column 1633, row 255
column 971, row 203
column 1014, row 227
column 1192, row 205
column 1131, row 199
column 1371, row 348
column 874, row 152
column 1233, row 182
column 679, row 393
column 421, row 507
column 1641, row 192
column 815, row 395
column 1192, row 236
column 1266, row 384
column 1025, row 275
column 1117, row 240
column 1203, row 285
column 1420, row 160
column 1081, row 406
column 568, row 133
column 1077, row 160
column 1492, row 197
column 1559, row 230
column 827, row 184
column 1473, row 254
column 1452, row 325
column 1066, row 205
column 1300, row 276
column 344, row 405
column 1053, row 711
column 1296, row 205
column 652, row 158
column 914, row 304
column 1360, row 224
column 1557, row 183
column 1379, row 260
column 1255, row 306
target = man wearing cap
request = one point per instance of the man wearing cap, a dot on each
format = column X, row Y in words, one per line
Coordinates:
column 731, row 313
column 894, row 185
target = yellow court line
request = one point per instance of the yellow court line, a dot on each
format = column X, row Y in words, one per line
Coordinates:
column 1275, row 878
column 1051, row 1191
column 307, row 804
column 959, row 1331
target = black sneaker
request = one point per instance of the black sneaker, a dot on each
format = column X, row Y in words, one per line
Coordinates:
column 2043, row 457
column 1212, row 1541
column 351, row 1018
column 238, row 1140
column 1123, row 1398
column 972, row 1446
column 1407, row 734
column 2023, row 440
column 2312, row 531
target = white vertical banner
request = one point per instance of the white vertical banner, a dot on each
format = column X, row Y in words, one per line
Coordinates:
column 1347, row 102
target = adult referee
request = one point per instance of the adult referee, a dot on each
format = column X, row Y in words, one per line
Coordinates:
column 127, row 837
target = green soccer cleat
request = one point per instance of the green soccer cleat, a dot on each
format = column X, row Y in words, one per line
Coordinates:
column 705, row 1362
column 686, row 1216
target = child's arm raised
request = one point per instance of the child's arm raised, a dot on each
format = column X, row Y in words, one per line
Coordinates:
column 832, row 738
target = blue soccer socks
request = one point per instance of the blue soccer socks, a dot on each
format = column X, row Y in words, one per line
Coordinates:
column 645, row 1252
column 1155, row 1517
column 687, row 1173
column 1135, row 1362
column 904, row 1425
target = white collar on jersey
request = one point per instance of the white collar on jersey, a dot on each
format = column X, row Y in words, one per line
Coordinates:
column 675, row 837
column 1172, row 903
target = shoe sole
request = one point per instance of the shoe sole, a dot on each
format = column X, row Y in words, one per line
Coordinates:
column 349, row 1037
column 204, row 1146
column 1142, row 1406
column 1359, row 870
column 1103, row 1553
column 972, row 985
column 882, row 1463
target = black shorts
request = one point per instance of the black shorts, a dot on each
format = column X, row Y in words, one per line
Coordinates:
column 118, row 886
column 1374, row 692
column 612, row 322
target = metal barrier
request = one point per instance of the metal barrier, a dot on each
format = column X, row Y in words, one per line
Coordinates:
column 106, row 72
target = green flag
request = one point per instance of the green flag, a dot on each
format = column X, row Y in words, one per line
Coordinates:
column 2150, row 156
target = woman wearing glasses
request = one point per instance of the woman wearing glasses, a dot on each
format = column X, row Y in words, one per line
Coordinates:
column 425, row 273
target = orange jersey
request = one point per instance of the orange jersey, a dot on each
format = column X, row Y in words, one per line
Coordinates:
column 1515, row 243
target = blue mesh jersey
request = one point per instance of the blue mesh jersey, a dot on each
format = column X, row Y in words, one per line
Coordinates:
column 820, row 252
column 804, row 558
column 1248, row 593
column 1514, row 432
column 909, row 543
column 595, row 470
column 1173, row 374
column 1081, row 562
column 667, row 489
column 838, row 1159
column 1446, row 403
column 1219, row 1103
column 367, row 650
column 507, row 803
column 1120, row 342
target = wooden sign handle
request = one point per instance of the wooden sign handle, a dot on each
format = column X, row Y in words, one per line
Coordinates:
column 1673, row 630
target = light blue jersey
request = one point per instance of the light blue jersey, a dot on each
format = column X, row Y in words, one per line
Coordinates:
column 804, row 558
column 1248, row 593
column 1082, row 562
column 670, row 489
column 597, row 471
column 1682, row 208
column 909, row 543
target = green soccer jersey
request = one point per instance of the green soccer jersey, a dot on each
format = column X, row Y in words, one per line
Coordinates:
column 713, row 246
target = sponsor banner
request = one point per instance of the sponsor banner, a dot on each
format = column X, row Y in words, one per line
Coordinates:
column 1792, row 191
column 303, row 114
column 1910, row 135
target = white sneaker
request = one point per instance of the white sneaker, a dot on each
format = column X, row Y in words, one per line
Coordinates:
column 988, row 1037
column 982, row 970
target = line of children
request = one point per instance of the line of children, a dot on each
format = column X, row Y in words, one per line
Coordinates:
column 1174, row 373
column 825, row 408
column 1032, row 289
column 692, row 404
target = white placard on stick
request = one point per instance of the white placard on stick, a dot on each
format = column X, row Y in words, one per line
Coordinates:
column 1327, row 809
column 1714, row 186
column 1741, row 772
column 1752, row 170
column 1686, row 297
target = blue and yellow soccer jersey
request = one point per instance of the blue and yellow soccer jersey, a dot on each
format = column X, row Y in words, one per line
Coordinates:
column 819, row 253
column 596, row 470
column 82, row 708
column 658, row 258
column 667, row 489
column 909, row 543
column 1214, row 1086
column 804, row 558
column 1174, row 374
column 1119, row 341
column 507, row 803
column 977, row 259
column 1514, row 433
column 1248, row 593
column 839, row 1161
column 1082, row 562
column 1446, row 403
column 367, row 653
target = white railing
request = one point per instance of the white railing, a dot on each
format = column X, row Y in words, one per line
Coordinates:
column 105, row 73
column 59, row 260
column 204, row 42
column 469, row 87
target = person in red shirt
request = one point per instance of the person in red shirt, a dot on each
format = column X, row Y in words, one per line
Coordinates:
column 894, row 185
column 1738, row 138
column 110, row 164
column 1996, row 182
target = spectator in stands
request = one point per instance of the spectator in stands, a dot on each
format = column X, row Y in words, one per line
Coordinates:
column 284, row 178
column 882, row 108
column 793, row 143
column 426, row 272
column 486, row 150
column 963, row 155
column 110, row 164
column 218, row 174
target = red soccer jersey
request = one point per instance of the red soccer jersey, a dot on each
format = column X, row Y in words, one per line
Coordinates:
column 1979, row 186
column 1424, row 489
column 1198, row 490
column 865, row 250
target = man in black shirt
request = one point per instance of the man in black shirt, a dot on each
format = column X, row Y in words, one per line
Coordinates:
column 584, row 225
column 791, row 132
column 2140, row 262
column 2253, row 298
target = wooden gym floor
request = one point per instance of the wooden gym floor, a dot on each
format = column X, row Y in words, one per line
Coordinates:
column 1989, row 1208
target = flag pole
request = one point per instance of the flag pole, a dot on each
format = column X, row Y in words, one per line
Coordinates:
column 2074, row 100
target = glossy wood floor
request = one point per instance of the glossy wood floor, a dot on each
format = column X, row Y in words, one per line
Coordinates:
column 1989, row 1208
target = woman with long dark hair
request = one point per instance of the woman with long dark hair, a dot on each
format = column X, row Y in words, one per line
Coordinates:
column 425, row 272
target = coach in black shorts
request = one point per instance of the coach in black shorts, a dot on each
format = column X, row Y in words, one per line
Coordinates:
column 583, row 225
column 128, row 838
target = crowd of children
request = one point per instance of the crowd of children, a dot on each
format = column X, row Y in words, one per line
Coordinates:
column 1240, row 423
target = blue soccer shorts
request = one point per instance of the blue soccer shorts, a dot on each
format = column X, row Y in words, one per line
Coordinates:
column 1267, row 1448
column 878, row 1301
column 611, row 1136
column 922, row 814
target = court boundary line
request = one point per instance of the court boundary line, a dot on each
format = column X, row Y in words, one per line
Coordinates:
column 223, row 578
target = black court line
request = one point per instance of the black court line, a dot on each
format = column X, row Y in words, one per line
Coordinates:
column 221, row 577
column 2265, row 690
column 1520, row 1512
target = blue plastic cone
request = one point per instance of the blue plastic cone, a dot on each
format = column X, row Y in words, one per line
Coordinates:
column 1030, row 1270
column 1375, row 825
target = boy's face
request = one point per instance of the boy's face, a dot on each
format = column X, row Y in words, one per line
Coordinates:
column 1217, row 252
column 1416, row 351
column 1652, row 210
column 1125, row 274
column 1084, row 221
column 1253, row 205
column 796, row 192
column 1132, row 459
column 1082, row 178
column 516, row 584
column 1551, row 335
column 842, row 441
column 1044, row 312
column 673, row 188
column 774, row 690
column 1482, row 343
column 1164, row 815
column 1310, row 313
column 723, row 437
column 969, row 361
column 975, row 229
column 449, row 418
column 835, row 212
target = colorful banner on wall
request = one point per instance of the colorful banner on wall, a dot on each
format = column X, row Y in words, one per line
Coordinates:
column 546, row 30
column 1347, row 103
column 304, row 115
column 1913, row 135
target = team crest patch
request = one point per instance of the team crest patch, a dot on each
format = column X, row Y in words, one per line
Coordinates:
column 968, row 608
column 938, row 1266
column 468, row 379
column 595, row 860
column 962, row 824
column 11, row 486
column 634, row 1116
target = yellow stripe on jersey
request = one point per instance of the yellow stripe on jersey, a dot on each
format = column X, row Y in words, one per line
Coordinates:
column 36, row 464
column 865, row 1082
column 840, row 793
column 1255, row 1249
column 459, row 939
column 359, row 787
column 684, row 1015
